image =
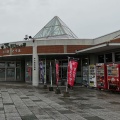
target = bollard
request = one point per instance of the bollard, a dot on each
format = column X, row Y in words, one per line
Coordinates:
column 50, row 88
column 57, row 91
column 66, row 94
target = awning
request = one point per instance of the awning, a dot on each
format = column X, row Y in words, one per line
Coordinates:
column 100, row 48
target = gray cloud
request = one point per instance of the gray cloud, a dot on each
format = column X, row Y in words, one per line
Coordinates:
column 86, row 18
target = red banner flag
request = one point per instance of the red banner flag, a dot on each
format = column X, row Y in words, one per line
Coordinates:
column 72, row 67
column 57, row 72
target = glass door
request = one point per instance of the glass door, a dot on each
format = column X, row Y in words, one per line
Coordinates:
column 10, row 74
column 10, row 71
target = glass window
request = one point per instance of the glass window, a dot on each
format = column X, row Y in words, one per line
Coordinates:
column 2, row 64
column 117, row 56
column 100, row 58
column 28, row 63
column 10, row 64
column 85, row 61
column 2, row 74
column 18, row 64
column 108, row 57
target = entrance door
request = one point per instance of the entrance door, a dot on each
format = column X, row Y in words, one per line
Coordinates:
column 10, row 71
column 10, row 74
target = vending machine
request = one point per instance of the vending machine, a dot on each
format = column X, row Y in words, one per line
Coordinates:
column 113, row 77
column 85, row 76
column 92, row 76
column 101, row 76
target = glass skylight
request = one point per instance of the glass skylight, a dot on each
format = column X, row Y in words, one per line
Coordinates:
column 55, row 29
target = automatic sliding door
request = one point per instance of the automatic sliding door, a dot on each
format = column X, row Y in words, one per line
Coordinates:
column 10, row 74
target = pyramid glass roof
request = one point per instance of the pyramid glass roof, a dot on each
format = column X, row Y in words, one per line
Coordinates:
column 56, row 28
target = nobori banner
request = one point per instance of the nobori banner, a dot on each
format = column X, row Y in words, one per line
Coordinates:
column 72, row 67
column 57, row 72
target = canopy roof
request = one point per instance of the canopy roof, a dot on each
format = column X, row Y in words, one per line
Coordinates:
column 56, row 28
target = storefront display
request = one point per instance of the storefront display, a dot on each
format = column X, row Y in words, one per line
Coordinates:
column 113, row 76
column 92, row 76
column 101, row 76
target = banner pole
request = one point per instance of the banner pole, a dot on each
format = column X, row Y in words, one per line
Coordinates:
column 51, row 73
column 67, row 77
column 45, row 73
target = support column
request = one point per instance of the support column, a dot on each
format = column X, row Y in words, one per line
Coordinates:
column 35, row 64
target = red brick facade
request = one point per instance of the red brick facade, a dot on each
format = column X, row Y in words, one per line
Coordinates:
column 51, row 49
column 73, row 48
column 16, row 51
column 43, row 49
column 115, row 40
column 22, row 50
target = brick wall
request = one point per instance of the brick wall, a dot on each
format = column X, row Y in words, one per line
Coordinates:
column 16, row 51
column 4, row 51
column 43, row 49
column 51, row 49
column 115, row 40
column 22, row 50
column 73, row 48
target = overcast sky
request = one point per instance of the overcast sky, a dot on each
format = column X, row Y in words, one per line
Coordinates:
column 86, row 18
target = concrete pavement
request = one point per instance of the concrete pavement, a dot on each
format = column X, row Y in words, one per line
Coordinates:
column 28, row 103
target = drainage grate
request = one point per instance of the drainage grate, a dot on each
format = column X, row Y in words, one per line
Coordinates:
column 30, row 95
column 65, row 111
column 29, row 117
column 24, row 97
column 90, row 96
column 36, row 100
column 115, row 103
column 8, row 103
column 80, row 98
column 93, row 118
column 96, row 107
column 31, row 91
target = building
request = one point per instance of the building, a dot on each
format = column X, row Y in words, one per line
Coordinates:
column 21, row 60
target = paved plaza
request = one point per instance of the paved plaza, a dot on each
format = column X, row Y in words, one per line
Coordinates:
column 28, row 103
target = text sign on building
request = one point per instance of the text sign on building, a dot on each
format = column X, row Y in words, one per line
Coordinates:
column 7, row 51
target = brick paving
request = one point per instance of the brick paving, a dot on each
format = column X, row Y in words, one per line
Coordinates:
column 28, row 103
